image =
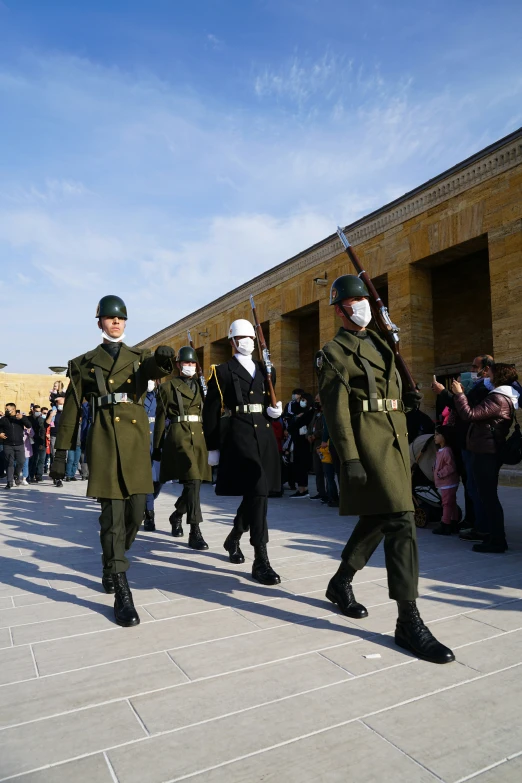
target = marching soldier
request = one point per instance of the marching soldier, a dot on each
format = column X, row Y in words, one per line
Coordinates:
column 241, row 441
column 360, row 392
column 113, row 378
column 182, row 448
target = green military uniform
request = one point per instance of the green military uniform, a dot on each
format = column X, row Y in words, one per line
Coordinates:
column 184, row 455
column 361, row 397
column 118, row 443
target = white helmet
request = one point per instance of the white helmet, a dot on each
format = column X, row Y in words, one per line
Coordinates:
column 241, row 328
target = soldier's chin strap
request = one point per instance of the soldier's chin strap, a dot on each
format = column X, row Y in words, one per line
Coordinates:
column 348, row 317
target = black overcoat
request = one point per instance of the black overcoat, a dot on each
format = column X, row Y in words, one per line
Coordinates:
column 249, row 461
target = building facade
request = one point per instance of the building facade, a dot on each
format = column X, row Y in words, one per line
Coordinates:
column 446, row 258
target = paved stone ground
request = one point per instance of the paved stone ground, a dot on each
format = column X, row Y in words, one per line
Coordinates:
column 226, row 680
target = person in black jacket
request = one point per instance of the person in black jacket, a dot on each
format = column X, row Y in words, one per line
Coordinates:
column 298, row 429
column 36, row 462
column 241, row 441
column 12, row 436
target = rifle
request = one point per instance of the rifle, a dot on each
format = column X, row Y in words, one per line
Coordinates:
column 381, row 315
column 265, row 354
column 199, row 369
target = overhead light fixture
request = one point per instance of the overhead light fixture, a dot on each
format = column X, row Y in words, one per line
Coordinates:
column 321, row 280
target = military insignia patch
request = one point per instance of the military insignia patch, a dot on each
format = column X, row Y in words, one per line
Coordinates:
column 335, row 294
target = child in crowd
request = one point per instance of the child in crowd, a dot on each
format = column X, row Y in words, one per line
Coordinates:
column 447, row 480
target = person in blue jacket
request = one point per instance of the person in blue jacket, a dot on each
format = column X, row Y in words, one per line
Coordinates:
column 150, row 403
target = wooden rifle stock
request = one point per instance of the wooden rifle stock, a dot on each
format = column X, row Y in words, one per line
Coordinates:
column 199, row 369
column 381, row 315
column 265, row 354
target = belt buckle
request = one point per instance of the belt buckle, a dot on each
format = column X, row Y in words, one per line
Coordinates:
column 394, row 405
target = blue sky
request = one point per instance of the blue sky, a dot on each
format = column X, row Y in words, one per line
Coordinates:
column 168, row 150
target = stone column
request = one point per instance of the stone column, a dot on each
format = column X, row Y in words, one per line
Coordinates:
column 329, row 323
column 284, row 351
column 505, row 270
column 411, row 308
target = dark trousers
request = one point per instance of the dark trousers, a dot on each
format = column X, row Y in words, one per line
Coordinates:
column 252, row 515
column 485, row 469
column 14, row 454
column 36, row 462
column 400, row 550
column 151, row 497
column 331, row 484
column 120, row 521
column 474, row 513
column 189, row 503
column 319, row 471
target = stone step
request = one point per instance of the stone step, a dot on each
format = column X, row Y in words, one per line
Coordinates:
column 511, row 475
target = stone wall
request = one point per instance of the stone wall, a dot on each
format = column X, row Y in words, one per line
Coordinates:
column 24, row 389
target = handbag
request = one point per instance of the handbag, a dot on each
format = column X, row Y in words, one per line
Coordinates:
column 510, row 451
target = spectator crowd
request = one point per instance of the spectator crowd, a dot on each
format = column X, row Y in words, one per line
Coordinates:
column 475, row 414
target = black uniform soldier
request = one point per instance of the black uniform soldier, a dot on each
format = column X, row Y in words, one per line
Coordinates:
column 113, row 378
column 361, row 397
column 241, row 441
column 182, row 448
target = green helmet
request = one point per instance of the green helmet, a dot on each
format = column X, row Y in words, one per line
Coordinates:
column 187, row 354
column 346, row 287
column 111, row 307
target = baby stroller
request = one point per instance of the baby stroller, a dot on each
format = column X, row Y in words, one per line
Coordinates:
column 426, row 498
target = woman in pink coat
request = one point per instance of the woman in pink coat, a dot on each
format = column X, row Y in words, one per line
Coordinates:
column 446, row 477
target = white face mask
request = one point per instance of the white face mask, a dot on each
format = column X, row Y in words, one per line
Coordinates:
column 303, row 403
column 488, row 383
column 60, row 407
column 150, row 386
column 245, row 346
column 362, row 314
column 187, row 370
column 113, row 339
column 36, row 414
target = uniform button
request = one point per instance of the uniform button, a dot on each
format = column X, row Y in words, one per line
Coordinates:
column 268, row 425
column 117, row 418
column 129, row 380
column 191, row 432
column 134, row 421
column 92, row 369
column 111, row 381
column 255, row 425
column 251, row 392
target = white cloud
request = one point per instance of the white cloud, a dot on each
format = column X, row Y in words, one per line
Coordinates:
column 170, row 199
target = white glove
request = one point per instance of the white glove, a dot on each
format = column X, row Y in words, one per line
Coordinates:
column 213, row 458
column 276, row 412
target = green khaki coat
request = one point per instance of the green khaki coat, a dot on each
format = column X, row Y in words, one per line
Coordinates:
column 184, row 454
column 379, row 440
column 118, row 443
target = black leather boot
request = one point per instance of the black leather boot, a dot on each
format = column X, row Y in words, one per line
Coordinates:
column 413, row 635
column 148, row 523
column 124, row 612
column 231, row 545
column 175, row 520
column 340, row 592
column 262, row 571
column 107, row 583
column 196, row 540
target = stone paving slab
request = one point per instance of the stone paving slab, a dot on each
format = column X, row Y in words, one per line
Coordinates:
column 227, row 680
